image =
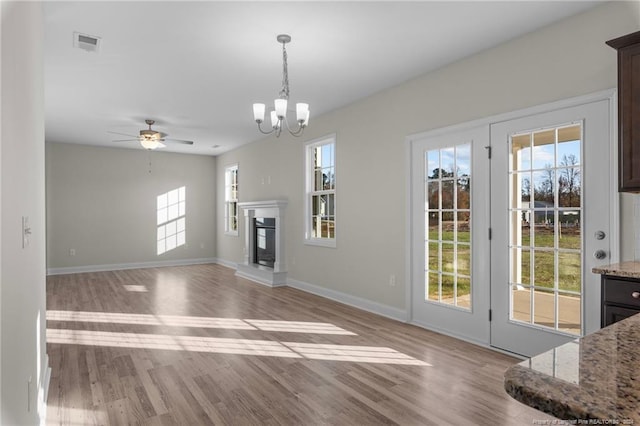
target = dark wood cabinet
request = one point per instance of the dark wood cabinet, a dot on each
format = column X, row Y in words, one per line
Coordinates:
column 620, row 299
column 628, row 48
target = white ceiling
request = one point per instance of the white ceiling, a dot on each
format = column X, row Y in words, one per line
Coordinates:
column 197, row 67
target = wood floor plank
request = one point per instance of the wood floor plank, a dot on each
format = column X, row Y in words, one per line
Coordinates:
column 196, row 345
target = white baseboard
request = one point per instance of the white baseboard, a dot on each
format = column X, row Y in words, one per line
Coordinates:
column 227, row 263
column 347, row 299
column 136, row 265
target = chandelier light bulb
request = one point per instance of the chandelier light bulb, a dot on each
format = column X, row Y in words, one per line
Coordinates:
column 281, row 108
column 258, row 113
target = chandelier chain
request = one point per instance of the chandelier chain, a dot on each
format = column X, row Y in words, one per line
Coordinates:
column 284, row 92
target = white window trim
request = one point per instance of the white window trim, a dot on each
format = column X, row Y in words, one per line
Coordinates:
column 228, row 231
column 308, row 166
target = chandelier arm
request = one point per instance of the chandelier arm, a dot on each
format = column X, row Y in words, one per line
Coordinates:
column 296, row 132
column 262, row 131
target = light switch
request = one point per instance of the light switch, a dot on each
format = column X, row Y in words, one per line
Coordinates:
column 26, row 232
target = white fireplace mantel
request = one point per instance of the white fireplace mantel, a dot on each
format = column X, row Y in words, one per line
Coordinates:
column 277, row 275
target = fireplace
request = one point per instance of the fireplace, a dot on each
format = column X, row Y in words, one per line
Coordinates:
column 264, row 241
column 264, row 259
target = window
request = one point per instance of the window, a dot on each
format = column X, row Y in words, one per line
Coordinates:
column 171, row 214
column 320, row 200
column 231, row 200
column 448, row 223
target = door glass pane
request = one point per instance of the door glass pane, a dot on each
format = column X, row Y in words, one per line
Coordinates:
column 545, row 231
column 447, row 189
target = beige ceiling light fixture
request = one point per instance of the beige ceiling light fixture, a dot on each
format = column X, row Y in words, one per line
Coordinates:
column 279, row 114
column 151, row 139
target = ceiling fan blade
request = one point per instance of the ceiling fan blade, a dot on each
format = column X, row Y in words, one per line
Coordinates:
column 122, row 134
column 126, row 140
column 161, row 145
column 179, row 141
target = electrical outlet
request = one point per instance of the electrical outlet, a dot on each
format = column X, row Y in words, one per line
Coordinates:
column 72, row 252
column 392, row 280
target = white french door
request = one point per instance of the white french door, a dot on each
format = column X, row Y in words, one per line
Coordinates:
column 550, row 182
column 450, row 194
column 502, row 248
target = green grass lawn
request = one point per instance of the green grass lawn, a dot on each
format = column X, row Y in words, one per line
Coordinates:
column 569, row 267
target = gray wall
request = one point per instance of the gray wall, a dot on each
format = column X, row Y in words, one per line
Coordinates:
column 102, row 203
column 22, row 193
column 566, row 59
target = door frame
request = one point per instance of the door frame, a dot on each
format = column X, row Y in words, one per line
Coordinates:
column 614, row 197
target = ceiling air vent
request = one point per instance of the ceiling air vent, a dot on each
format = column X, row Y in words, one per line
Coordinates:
column 86, row 42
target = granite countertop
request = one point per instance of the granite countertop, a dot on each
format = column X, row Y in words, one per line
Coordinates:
column 594, row 377
column 624, row 269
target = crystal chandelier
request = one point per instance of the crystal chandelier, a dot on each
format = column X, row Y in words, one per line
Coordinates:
column 279, row 114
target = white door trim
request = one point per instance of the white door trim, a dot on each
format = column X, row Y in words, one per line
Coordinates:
column 614, row 201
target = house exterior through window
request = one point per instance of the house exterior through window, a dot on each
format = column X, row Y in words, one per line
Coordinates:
column 231, row 200
column 320, row 200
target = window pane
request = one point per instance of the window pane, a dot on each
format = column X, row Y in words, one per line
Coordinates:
column 447, row 257
column 433, row 256
column 433, row 195
column 447, row 194
column 544, row 188
column 569, row 271
column 544, row 308
column 569, row 313
column 464, row 259
column 521, row 303
column 464, row 193
column 433, row 164
column 544, row 268
column 521, row 151
column 463, row 160
column 569, row 229
column 433, row 228
column 447, row 289
column 447, row 162
column 544, row 149
column 462, row 224
column 569, row 187
column 318, row 181
column 464, row 292
column 520, row 266
column 521, row 189
column 432, row 285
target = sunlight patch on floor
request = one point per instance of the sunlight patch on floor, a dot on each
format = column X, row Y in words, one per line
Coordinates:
column 365, row 354
column 201, row 322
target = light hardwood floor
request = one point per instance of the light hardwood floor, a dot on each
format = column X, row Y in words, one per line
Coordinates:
column 196, row 345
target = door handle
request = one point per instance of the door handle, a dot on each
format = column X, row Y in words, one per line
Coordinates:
column 600, row 254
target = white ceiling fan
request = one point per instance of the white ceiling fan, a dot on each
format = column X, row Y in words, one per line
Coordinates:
column 151, row 139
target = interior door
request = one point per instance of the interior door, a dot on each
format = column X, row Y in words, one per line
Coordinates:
column 449, row 237
column 550, row 182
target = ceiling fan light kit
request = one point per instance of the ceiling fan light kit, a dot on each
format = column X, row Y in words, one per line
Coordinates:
column 279, row 113
column 151, row 139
